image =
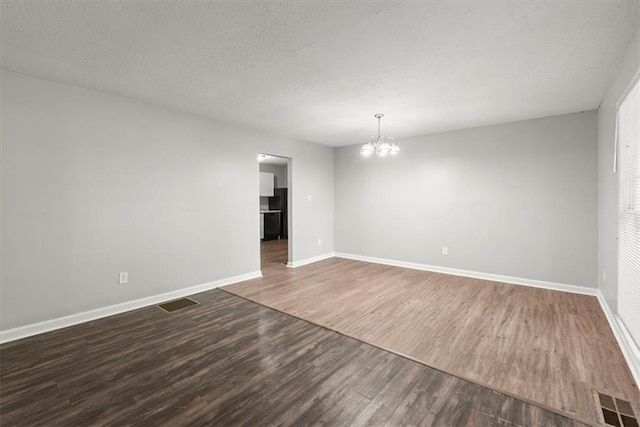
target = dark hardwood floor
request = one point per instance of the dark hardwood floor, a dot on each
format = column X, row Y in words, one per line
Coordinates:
column 227, row 361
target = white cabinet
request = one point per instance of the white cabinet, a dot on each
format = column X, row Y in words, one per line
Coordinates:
column 266, row 184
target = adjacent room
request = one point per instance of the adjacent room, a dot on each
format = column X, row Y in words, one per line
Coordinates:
column 320, row 213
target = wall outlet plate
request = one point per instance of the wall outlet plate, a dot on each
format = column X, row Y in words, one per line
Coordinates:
column 445, row 250
column 123, row 278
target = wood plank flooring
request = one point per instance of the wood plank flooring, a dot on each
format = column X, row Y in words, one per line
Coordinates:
column 230, row 362
column 274, row 255
column 543, row 346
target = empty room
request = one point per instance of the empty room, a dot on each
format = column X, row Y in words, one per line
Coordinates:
column 344, row 213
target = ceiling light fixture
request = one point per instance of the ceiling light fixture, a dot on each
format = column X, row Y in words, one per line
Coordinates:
column 380, row 145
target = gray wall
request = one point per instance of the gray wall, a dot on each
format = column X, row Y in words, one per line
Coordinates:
column 517, row 199
column 607, row 180
column 94, row 184
column 279, row 172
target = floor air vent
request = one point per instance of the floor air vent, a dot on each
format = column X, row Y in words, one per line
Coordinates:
column 176, row 304
column 616, row 412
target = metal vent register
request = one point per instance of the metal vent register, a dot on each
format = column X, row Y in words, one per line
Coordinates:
column 177, row 304
column 613, row 411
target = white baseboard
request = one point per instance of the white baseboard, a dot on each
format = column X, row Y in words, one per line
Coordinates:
column 630, row 351
column 86, row 316
column 311, row 260
column 474, row 274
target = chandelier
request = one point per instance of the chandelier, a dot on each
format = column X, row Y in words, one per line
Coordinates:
column 380, row 145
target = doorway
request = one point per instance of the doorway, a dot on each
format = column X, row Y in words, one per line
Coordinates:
column 275, row 211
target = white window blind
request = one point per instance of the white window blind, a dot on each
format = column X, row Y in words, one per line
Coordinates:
column 628, row 168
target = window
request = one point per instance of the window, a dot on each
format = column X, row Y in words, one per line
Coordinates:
column 628, row 169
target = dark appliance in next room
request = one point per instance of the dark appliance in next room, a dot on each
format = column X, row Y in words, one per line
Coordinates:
column 271, row 225
column 279, row 203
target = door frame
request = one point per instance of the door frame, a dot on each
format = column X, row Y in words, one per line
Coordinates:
column 289, row 170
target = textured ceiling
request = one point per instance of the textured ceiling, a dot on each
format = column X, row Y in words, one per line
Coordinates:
column 319, row 70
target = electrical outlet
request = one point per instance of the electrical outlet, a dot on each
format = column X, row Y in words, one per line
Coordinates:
column 309, row 197
column 445, row 250
column 604, row 274
column 319, row 242
column 123, row 278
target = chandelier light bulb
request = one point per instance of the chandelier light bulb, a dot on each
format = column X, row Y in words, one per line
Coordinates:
column 367, row 150
column 394, row 149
